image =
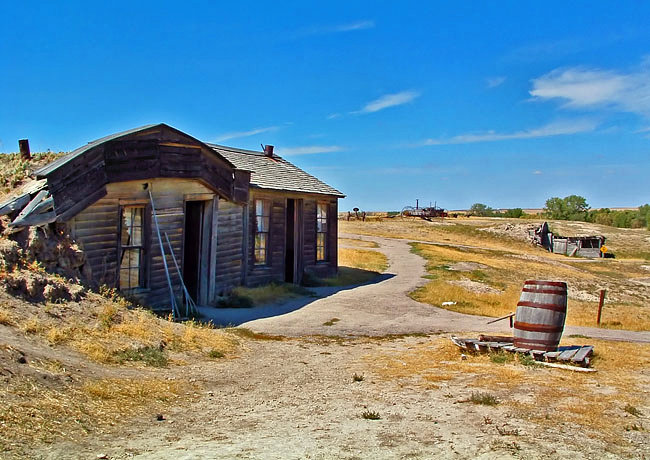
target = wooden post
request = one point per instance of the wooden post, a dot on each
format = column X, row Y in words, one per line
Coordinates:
column 23, row 145
column 600, row 305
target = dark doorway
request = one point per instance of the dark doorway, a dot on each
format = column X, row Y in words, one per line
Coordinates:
column 290, row 243
column 192, row 246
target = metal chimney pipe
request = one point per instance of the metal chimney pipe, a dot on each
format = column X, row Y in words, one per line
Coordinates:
column 268, row 151
column 23, row 145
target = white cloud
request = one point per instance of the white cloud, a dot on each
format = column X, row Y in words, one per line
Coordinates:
column 309, row 149
column 538, row 172
column 557, row 128
column 581, row 88
column 359, row 25
column 388, row 100
column 332, row 116
column 493, row 82
column 252, row 132
column 335, row 29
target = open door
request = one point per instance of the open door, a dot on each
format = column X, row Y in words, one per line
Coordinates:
column 199, row 249
column 293, row 242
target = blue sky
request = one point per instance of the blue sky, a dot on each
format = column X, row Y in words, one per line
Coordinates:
column 503, row 103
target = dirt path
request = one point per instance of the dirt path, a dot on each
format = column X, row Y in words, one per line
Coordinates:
column 384, row 307
column 296, row 399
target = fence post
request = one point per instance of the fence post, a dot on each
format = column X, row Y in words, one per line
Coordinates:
column 600, row 305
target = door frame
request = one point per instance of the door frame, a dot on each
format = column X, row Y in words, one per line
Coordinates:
column 298, row 235
column 206, row 285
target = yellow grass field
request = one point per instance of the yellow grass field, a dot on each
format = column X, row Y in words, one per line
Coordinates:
column 498, row 266
column 602, row 404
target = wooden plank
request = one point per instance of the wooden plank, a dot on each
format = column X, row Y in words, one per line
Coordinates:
column 567, row 354
column 496, row 338
column 521, row 350
column 552, row 355
column 459, row 342
column 583, row 353
column 537, row 354
column 566, row 367
column 40, row 196
column 14, row 204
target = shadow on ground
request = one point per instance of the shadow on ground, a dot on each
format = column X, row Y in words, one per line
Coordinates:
column 224, row 317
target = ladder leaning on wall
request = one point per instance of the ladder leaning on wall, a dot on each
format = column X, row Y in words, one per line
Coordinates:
column 188, row 304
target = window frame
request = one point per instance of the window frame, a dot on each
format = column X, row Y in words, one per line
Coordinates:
column 266, row 207
column 142, row 247
column 322, row 223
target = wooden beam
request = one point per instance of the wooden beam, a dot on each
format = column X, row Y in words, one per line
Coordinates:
column 30, row 207
column 176, row 144
column 34, row 220
column 14, row 204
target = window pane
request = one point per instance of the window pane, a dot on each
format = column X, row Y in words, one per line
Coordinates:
column 130, row 269
column 136, row 236
column 259, row 207
column 260, row 256
column 260, row 241
column 132, row 226
column 263, row 224
column 320, row 255
column 137, row 217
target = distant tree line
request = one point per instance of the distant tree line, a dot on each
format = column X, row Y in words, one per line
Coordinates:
column 574, row 207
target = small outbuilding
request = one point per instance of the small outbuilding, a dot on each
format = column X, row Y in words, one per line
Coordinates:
column 232, row 217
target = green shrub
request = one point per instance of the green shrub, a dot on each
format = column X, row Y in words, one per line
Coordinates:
column 486, row 399
column 151, row 356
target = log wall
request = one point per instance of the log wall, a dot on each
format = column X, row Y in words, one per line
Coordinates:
column 96, row 227
column 275, row 269
column 229, row 246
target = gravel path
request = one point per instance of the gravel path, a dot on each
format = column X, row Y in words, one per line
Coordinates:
column 383, row 307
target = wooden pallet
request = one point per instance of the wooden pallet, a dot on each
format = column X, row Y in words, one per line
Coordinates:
column 576, row 355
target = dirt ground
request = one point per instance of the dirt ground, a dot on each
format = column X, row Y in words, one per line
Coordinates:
column 297, row 398
column 302, row 391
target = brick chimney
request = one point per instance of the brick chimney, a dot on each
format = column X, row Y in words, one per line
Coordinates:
column 268, row 151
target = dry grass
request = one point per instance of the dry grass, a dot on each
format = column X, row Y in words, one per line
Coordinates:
column 108, row 328
column 33, row 412
column 595, row 402
column 451, row 231
column 507, row 272
column 270, row 293
column 363, row 259
column 357, row 243
column 5, row 317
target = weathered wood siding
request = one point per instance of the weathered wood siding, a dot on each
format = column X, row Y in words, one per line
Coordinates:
column 156, row 152
column 275, row 269
column 229, row 246
column 96, row 227
column 327, row 267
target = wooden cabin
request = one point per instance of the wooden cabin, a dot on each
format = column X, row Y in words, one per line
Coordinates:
column 231, row 217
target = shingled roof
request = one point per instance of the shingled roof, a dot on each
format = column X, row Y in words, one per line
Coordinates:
column 274, row 173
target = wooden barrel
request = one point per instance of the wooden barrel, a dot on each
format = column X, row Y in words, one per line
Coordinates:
column 540, row 315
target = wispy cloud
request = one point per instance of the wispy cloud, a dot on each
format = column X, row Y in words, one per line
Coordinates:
column 252, row 132
column 557, row 128
column 332, row 116
column 359, row 25
column 537, row 172
column 309, row 149
column 582, row 88
column 334, row 28
column 388, row 100
column 493, row 82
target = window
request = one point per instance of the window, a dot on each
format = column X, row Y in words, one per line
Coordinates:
column 132, row 247
column 321, row 231
column 262, row 221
